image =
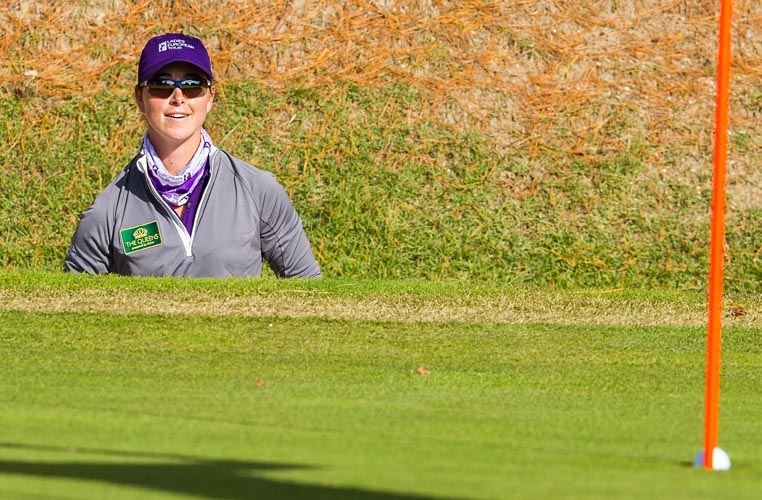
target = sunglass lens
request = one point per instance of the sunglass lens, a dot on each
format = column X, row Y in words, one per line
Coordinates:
column 192, row 88
column 163, row 88
column 160, row 87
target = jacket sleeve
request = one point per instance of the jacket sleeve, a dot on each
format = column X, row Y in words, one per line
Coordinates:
column 89, row 251
column 284, row 243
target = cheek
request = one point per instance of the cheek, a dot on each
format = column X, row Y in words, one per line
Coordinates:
column 153, row 107
column 208, row 105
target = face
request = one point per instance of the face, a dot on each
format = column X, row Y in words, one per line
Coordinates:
column 175, row 121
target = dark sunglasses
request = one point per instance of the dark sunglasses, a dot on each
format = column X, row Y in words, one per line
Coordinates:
column 163, row 87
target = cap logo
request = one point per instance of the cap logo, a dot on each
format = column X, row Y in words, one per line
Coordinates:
column 175, row 44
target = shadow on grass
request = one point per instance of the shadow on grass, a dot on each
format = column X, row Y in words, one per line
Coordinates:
column 221, row 479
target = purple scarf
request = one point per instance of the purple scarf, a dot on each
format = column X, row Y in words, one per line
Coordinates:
column 176, row 189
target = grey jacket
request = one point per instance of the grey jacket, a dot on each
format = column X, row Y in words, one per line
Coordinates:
column 243, row 217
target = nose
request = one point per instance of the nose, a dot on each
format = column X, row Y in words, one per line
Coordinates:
column 177, row 96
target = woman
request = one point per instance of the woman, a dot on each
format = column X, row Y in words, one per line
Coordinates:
column 183, row 207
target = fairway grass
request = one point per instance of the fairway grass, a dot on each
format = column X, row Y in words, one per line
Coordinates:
column 107, row 397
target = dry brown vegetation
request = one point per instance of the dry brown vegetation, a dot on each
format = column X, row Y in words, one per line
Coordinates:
column 581, row 78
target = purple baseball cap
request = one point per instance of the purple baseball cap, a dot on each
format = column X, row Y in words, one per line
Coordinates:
column 172, row 47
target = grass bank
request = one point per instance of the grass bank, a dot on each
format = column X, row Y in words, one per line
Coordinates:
column 429, row 141
column 384, row 196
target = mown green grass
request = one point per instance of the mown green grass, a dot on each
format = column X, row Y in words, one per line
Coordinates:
column 110, row 405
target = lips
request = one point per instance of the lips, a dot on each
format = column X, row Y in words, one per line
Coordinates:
column 176, row 115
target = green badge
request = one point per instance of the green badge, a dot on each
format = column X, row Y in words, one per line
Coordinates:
column 140, row 237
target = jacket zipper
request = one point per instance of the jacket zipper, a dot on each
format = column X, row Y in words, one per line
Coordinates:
column 174, row 219
column 186, row 238
column 201, row 201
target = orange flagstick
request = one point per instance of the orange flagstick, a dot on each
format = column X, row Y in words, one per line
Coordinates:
column 715, row 458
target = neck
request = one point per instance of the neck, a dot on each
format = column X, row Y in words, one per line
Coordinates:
column 175, row 156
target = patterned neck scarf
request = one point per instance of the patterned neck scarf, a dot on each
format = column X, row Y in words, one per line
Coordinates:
column 176, row 189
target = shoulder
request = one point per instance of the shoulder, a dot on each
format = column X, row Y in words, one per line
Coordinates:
column 110, row 195
column 254, row 178
column 264, row 189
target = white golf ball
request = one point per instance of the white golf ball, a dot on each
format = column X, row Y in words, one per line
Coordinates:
column 720, row 459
